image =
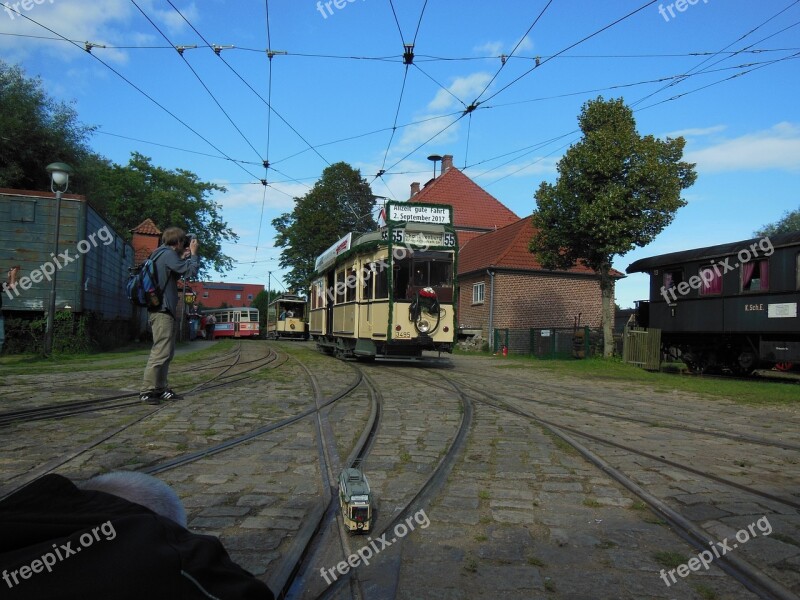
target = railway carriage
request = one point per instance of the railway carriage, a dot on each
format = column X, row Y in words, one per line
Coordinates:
column 235, row 322
column 286, row 318
column 389, row 293
column 731, row 306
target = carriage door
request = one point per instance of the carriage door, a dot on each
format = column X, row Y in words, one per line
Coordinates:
column 237, row 317
column 329, row 301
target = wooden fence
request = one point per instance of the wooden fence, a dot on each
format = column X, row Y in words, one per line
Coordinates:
column 642, row 347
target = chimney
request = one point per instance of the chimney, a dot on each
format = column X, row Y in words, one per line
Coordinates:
column 414, row 188
column 447, row 163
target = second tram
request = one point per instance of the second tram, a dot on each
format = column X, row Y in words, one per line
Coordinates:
column 389, row 293
column 235, row 322
column 287, row 318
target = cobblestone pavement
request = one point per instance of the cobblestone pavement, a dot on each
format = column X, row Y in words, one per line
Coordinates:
column 522, row 515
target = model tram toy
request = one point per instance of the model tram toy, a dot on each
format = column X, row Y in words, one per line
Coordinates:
column 355, row 500
column 235, row 322
column 286, row 318
column 389, row 293
column 731, row 306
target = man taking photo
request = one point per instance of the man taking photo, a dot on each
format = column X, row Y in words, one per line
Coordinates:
column 176, row 257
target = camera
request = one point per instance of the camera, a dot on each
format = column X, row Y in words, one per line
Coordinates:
column 188, row 239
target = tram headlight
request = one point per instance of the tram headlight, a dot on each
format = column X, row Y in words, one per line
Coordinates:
column 423, row 326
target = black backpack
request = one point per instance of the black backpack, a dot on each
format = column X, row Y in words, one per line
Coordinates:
column 143, row 288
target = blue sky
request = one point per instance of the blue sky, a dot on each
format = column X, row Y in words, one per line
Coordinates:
column 336, row 96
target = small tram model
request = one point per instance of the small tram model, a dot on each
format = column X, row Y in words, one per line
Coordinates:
column 286, row 318
column 389, row 293
column 235, row 322
column 355, row 500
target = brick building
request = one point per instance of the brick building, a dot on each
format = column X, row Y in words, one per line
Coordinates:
column 501, row 284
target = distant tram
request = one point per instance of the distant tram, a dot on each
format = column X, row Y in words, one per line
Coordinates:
column 389, row 293
column 286, row 318
column 355, row 500
column 235, row 322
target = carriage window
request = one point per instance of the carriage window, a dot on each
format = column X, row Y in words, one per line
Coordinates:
column 672, row 279
column 712, row 281
column 222, row 318
column 401, row 278
column 340, row 287
column 366, row 283
column 478, row 292
column 381, row 283
column 352, row 283
column 797, row 273
column 441, row 273
column 755, row 276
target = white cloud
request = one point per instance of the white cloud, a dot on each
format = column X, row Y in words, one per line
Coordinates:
column 696, row 132
column 250, row 196
column 536, row 166
column 490, row 48
column 774, row 148
column 463, row 88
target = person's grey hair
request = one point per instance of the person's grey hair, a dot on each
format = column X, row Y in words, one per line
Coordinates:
column 142, row 489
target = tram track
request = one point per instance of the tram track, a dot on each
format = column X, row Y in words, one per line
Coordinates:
column 752, row 577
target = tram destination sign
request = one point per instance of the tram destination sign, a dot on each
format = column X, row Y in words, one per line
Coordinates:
column 407, row 212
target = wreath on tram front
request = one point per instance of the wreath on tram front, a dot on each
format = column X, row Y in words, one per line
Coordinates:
column 425, row 311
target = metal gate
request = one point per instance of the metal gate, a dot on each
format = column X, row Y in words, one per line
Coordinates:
column 642, row 347
column 551, row 342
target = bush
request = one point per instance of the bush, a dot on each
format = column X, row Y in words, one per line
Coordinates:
column 72, row 334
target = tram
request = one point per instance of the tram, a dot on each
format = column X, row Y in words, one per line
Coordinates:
column 355, row 500
column 389, row 293
column 235, row 322
column 287, row 317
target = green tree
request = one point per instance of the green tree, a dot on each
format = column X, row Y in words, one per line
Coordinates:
column 788, row 223
column 35, row 130
column 262, row 302
column 340, row 202
column 127, row 195
column 615, row 191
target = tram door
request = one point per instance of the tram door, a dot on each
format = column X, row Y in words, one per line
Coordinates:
column 237, row 317
column 329, row 300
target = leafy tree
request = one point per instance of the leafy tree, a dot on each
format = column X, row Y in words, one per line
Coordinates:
column 788, row 223
column 340, row 202
column 261, row 302
column 129, row 194
column 35, row 130
column 616, row 190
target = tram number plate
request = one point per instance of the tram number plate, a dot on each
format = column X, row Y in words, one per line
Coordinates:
column 403, row 335
column 420, row 238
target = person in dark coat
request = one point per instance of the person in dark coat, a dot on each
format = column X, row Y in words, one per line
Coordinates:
column 60, row 541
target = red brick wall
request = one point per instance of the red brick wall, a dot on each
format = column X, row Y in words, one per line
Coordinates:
column 524, row 300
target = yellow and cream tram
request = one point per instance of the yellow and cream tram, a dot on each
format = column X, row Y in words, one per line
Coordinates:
column 389, row 293
column 287, row 317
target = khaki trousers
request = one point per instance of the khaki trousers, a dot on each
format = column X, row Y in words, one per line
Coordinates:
column 157, row 370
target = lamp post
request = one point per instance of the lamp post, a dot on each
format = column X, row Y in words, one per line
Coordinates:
column 59, row 182
column 434, row 158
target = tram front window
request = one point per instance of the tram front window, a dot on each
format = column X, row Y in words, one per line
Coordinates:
column 359, row 514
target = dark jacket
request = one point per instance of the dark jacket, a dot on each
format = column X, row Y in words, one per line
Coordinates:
column 56, row 542
column 169, row 268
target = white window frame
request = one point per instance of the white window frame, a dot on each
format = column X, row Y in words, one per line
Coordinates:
column 478, row 292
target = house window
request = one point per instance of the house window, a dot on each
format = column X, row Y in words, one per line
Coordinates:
column 755, row 276
column 478, row 292
column 712, row 281
column 249, row 296
column 205, row 294
column 23, row 211
column 672, row 278
column 238, row 296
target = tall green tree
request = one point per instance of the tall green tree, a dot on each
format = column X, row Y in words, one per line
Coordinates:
column 788, row 223
column 340, row 202
column 615, row 191
column 35, row 130
column 128, row 194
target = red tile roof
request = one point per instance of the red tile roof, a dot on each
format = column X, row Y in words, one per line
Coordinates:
column 146, row 227
column 472, row 205
column 507, row 248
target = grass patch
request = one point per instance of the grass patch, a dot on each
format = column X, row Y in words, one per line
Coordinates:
column 754, row 392
column 705, row 592
column 592, row 503
column 536, row 562
column 669, row 559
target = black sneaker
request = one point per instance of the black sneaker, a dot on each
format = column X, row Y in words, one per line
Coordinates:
column 150, row 398
column 170, row 395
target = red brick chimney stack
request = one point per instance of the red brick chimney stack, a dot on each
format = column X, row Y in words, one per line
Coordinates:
column 447, row 163
column 414, row 188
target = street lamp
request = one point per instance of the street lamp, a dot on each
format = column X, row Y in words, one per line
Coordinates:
column 434, row 158
column 59, row 182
